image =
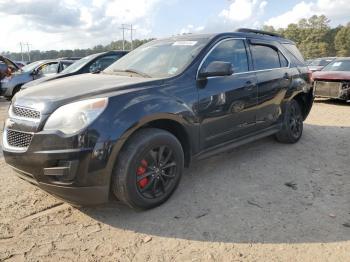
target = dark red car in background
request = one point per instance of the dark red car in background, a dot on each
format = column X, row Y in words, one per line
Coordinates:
column 333, row 81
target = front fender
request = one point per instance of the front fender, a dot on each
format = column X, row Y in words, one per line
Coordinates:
column 126, row 114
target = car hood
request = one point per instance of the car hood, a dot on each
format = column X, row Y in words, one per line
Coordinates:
column 48, row 96
column 331, row 75
column 44, row 79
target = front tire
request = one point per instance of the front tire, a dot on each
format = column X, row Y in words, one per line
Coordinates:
column 148, row 169
column 292, row 129
column 14, row 92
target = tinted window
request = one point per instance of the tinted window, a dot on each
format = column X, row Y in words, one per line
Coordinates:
column 232, row 51
column 265, row 57
column 283, row 60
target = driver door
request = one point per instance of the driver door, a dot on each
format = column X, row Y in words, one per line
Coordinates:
column 227, row 104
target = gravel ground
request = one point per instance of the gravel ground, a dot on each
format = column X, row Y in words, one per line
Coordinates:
column 261, row 202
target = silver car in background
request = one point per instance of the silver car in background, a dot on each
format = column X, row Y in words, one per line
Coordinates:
column 10, row 85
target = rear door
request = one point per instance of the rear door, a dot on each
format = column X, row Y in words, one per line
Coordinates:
column 227, row 103
column 273, row 77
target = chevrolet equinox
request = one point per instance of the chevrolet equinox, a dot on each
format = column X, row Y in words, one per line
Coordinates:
column 130, row 130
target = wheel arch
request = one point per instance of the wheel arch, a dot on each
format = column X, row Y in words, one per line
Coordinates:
column 305, row 101
column 170, row 124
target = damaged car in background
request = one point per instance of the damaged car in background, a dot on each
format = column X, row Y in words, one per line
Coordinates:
column 333, row 81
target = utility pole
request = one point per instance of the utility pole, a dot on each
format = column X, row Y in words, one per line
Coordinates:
column 129, row 28
column 28, row 51
column 21, row 44
column 132, row 46
column 123, row 28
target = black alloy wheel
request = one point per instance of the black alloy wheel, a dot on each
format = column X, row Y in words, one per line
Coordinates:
column 292, row 128
column 148, row 169
column 156, row 172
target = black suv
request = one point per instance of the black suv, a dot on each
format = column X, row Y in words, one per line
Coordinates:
column 132, row 128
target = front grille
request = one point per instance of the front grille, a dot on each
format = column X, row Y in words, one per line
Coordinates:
column 18, row 139
column 25, row 112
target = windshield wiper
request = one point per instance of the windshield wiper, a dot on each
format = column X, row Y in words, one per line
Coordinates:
column 130, row 70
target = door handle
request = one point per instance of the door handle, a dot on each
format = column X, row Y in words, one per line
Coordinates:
column 286, row 76
column 249, row 85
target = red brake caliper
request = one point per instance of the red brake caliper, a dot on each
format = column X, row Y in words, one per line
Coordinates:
column 141, row 170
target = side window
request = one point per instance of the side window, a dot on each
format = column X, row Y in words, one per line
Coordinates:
column 103, row 62
column 265, row 57
column 48, row 69
column 65, row 65
column 283, row 60
column 232, row 51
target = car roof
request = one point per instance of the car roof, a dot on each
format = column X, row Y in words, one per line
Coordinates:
column 240, row 33
column 55, row 60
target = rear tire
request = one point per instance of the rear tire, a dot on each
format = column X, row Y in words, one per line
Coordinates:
column 292, row 129
column 148, row 169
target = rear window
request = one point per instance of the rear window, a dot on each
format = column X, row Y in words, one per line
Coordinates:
column 293, row 50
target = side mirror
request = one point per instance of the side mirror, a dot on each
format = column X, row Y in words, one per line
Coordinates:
column 216, row 68
column 34, row 72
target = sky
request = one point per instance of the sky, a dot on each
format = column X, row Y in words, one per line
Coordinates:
column 71, row 24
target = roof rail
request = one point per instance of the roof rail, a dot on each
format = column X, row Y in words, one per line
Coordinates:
column 254, row 31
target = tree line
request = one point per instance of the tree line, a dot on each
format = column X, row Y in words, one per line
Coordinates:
column 314, row 37
column 53, row 54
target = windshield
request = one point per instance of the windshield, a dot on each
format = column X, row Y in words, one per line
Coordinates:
column 78, row 64
column 31, row 66
column 338, row 65
column 321, row 62
column 160, row 58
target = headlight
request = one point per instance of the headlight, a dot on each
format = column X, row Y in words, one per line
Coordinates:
column 74, row 117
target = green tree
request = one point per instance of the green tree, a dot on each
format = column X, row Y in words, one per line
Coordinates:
column 342, row 41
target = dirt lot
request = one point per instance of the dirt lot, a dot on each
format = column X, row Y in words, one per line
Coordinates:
column 232, row 207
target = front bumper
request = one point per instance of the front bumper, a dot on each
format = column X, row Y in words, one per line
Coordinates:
column 335, row 89
column 72, row 168
column 45, row 170
column 81, row 196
